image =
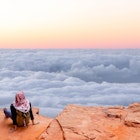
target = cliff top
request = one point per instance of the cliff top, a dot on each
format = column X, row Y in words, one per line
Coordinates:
column 79, row 123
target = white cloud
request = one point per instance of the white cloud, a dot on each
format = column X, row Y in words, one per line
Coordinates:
column 51, row 79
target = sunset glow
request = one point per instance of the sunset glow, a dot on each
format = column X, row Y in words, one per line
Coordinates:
column 70, row 24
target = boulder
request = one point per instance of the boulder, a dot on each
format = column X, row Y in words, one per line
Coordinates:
column 133, row 115
column 93, row 123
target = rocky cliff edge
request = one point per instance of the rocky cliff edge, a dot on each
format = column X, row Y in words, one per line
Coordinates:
column 79, row 123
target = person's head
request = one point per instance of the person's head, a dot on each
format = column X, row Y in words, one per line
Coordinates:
column 20, row 98
column 21, row 103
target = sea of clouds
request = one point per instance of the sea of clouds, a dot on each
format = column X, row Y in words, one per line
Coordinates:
column 52, row 79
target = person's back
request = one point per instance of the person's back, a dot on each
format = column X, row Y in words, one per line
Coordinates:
column 22, row 118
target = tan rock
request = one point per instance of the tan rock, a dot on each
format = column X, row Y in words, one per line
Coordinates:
column 80, row 123
column 54, row 131
column 22, row 133
column 133, row 115
column 93, row 123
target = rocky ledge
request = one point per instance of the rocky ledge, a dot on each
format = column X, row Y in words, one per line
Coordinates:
column 80, row 123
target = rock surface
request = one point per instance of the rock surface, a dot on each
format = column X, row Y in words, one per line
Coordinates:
column 80, row 123
column 22, row 133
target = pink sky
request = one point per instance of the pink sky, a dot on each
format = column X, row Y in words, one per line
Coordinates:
column 70, row 24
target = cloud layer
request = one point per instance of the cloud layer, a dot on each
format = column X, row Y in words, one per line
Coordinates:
column 51, row 79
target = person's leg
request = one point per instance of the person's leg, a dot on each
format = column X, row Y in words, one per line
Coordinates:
column 7, row 113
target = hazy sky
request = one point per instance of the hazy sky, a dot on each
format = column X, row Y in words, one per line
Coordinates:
column 69, row 23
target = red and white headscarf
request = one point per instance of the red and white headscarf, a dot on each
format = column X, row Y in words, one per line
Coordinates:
column 21, row 103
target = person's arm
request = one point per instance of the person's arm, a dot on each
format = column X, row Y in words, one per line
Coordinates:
column 14, row 114
column 31, row 112
column 32, row 116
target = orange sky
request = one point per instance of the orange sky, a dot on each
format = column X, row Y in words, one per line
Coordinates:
column 70, row 24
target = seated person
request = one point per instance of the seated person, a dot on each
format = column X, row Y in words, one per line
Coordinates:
column 20, row 106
